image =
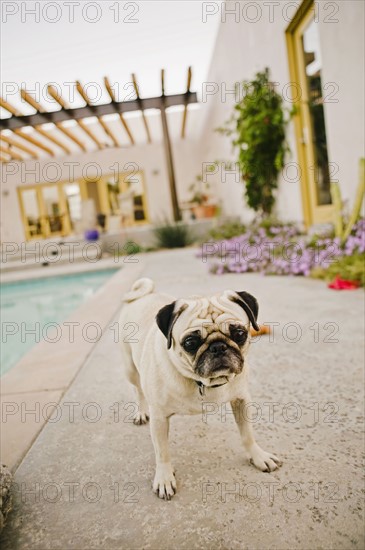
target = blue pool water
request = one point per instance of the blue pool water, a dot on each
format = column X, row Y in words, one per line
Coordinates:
column 30, row 305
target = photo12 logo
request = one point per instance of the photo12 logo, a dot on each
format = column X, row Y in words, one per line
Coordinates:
column 72, row 492
column 71, row 12
column 268, row 11
column 57, row 92
column 269, row 491
column 291, row 92
column 72, row 171
column 310, row 414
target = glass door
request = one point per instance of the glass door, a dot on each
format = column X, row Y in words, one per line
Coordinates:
column 132, row 184
column 306, row 69
column 54, row 210
column 45, row 211
column 31, row 212
column 73, row 199
column 127, row 197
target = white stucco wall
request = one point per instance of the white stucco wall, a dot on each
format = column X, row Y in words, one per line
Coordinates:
column 149, row 158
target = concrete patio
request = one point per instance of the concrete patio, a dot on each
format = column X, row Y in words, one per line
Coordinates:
column 86, row 481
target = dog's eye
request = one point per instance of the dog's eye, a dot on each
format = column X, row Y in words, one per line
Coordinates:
column 191, row 343
column 239, row 335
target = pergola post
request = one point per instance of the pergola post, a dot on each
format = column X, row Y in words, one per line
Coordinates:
column 170, row 166
column 168, row 153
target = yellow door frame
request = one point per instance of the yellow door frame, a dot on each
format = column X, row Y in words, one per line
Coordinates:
column 43, row 215
column 66, row 226
column 312, row 211
column 28, row 236
column 122, row 177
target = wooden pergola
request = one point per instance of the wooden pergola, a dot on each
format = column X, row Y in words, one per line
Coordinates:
column 11, row 149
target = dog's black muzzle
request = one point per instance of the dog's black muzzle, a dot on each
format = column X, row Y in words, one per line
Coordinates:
column 219, row 359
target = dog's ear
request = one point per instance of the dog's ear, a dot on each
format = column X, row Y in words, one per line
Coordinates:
column 166, row 318
column 250, row 305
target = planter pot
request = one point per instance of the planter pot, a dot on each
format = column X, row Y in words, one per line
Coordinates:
column 204, row 211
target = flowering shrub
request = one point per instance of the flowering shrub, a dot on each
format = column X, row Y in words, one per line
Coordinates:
column 280, row 250
column 356, row 240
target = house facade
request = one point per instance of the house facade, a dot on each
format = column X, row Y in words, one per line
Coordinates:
column 314, row 52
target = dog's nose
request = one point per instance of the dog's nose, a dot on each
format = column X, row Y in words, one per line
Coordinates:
column 218, row 348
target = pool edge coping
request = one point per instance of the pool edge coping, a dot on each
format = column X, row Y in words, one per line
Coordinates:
column 25, row 369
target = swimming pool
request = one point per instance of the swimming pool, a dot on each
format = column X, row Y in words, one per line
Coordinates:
column 27, row 306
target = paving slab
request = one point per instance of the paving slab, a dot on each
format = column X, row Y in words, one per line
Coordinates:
column 86, row 481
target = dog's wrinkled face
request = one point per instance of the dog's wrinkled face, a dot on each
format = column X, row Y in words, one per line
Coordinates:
column 209, row 337
column 216, row 349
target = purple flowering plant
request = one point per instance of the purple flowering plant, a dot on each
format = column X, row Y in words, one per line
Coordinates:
column 280, row 249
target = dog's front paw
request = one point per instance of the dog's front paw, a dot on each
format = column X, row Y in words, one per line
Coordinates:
column 266, row 462
column 140, row 418
column 164, row 484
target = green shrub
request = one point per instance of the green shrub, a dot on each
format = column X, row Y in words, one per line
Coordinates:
column 173, row 235
column 231, row 229
column 226, row 230
column 270, row 223
column 350, row 268
column 126, row 249
column 132, row 248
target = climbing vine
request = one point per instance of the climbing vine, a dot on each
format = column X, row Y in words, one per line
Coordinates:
column 258, row 129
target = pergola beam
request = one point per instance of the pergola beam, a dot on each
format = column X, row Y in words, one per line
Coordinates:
column 110, row 91
column 98, row 110
column 34, row 142
column 5, row 105
column 12, row 154
column 14, row 143
column 102, row 123
column 23, row 135
column 38, row 129
column 28, row 98
column 53, row 93
column 141, row 107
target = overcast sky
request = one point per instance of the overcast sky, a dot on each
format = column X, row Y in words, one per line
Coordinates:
column 141, row 37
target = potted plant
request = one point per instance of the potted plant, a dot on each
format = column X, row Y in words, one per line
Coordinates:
column 201, row 204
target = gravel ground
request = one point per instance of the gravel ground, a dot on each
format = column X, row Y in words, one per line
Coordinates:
column 86, row 482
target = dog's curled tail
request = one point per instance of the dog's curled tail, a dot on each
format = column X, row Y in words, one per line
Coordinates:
column 139, row 289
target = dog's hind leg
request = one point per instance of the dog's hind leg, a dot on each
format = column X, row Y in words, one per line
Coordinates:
column 140, row 415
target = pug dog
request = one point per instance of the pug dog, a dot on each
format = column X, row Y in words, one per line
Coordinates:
column 185, row 353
